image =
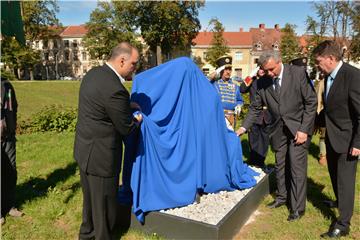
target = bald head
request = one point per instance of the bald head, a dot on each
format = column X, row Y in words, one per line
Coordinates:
column 124, row 58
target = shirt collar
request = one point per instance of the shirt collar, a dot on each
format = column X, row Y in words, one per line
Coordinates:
column 122, row 80
column 281, row 72
column 336, row 70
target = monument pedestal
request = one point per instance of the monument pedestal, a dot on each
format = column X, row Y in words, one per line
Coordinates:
column 173, row 227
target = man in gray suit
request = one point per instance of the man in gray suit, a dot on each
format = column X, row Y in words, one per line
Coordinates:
column 287, row 93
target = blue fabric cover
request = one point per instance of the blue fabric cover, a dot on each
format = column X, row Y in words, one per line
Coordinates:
column 184, row 145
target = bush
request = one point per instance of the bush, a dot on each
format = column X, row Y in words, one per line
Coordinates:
column 51, row 118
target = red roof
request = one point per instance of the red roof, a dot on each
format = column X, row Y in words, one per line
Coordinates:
column 74, row 31
column 232, row 38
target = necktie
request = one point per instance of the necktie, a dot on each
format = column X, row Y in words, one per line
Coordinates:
column 329, row 82
column 277, row 85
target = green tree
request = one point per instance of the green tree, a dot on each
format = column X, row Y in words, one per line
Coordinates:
column 106, row 28
column 37, row 17
column 218, row 44
column 355, row 41
column 289, row 45
column 17, row 57
column 166, row 25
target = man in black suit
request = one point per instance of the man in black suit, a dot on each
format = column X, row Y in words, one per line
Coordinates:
column 104, row 118
column 342, row 120
column 290, row 98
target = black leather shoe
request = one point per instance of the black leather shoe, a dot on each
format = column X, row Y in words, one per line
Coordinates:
column 276, row 204
column 331, row 204
column 335, row 233
column 295, row 216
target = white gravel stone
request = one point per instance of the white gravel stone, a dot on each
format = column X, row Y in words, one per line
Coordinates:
column 213, row 206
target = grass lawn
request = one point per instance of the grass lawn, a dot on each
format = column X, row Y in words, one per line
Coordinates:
column 49, row 191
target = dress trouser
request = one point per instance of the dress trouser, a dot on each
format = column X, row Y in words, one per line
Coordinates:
column 291, row 170
column 342, row 171
column 259, row 143
column 8, row 174
column 99, row 206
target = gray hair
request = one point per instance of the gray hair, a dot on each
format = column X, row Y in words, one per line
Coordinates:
column 267, row 55
column 124, row 48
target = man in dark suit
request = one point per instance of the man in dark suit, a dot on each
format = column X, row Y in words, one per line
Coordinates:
column 104, row 118
column 259, row 133
column 342, row 120
column 8, row 150
column 290, row 98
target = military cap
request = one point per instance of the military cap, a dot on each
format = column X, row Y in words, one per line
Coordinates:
column 302, row 61
column 224, row 61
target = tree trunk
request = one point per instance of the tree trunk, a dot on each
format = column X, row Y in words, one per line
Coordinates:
column 31, row 74
column 18, row 73
column 158, row 55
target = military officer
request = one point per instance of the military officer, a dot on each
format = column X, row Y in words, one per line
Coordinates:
column 228, row 90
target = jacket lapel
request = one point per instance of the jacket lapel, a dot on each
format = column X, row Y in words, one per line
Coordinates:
column 335, row 85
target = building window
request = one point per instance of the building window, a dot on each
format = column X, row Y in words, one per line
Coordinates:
column 238, row 56
column 75, row 44
column 258, row 46
column 238, row 72
column 205, row 71
column 75, row 55
column 45, row 44
column 46, row 56
column 66, row 43
column 205, row 55
column 67, row 55
column 256, row 60
column 84, row 56
column 275, row 46
column 36, row 44
column 55, row 44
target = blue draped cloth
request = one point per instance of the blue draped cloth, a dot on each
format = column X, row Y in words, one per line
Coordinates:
column 184, row 146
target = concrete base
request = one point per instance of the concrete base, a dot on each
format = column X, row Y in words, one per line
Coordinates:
column 173, row 227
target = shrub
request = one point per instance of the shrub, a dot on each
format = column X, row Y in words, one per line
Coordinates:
column 51, row 118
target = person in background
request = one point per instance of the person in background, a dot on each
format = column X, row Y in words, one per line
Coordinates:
column 342, row 122
column 320, row 121
column 8, row 150
column 259, row 132
column 104, row 118
column 287, row 93
column 229, row 91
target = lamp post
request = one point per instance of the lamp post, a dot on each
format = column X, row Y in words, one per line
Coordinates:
column 56, row 65
column 46, row 69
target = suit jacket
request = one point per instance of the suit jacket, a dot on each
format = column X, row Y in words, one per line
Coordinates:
column 104, row 117
column 295, row 107
column 342, row 110
column 8, row 109
column 265, row 116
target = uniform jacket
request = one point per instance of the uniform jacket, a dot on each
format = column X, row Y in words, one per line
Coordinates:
column 295, row 107
column 104, row 118
column 229, row 93
column 264, row 117
column 342, row 109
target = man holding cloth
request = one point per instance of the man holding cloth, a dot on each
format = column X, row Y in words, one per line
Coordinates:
column 104, row 118
column 290, row 98
column 342, row 120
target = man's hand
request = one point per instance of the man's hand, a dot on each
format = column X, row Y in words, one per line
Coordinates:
column 135, row 105
column 240, row 131
column 300, row 137
column 354, row 152
column 216, row 74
